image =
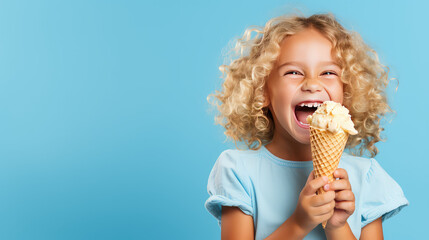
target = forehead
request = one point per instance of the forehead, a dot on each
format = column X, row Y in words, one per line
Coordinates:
column 306, row 45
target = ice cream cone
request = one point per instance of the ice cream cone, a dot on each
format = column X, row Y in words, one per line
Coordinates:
column 330, row 126
column 326, row 149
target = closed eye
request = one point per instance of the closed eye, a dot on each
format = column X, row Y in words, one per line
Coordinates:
column 293, row 73
column 329, row 73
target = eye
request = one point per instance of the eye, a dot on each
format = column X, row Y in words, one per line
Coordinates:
column 293, row 73
column 329, row 73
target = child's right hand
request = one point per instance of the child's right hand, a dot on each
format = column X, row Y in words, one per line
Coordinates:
column 313, row 209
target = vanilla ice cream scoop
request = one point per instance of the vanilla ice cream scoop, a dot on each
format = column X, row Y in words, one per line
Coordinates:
column 333, row 117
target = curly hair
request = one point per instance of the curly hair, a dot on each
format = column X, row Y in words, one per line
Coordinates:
column 241, row 101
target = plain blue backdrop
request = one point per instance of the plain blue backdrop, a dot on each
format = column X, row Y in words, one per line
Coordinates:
column 105, row 131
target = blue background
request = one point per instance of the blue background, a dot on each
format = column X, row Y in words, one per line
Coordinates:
column 105, row 131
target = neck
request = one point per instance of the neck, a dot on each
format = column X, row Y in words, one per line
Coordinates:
column 286, row 147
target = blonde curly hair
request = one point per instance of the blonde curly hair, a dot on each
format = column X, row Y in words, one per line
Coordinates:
column 241, row 109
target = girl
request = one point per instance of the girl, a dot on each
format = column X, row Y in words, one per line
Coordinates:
column 269, row 190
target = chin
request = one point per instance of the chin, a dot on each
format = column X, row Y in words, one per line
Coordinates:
column 301, row 134
column 303, row 140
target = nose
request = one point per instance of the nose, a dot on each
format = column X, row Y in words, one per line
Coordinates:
column 311, row 85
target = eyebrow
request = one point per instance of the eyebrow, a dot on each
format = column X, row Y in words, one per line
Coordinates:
column 325, row 63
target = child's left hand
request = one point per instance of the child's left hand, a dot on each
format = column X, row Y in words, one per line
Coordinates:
column 344, row 199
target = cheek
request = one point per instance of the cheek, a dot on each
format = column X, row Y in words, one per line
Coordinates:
column 336, row 92
column 283, row 92
column 282, row 100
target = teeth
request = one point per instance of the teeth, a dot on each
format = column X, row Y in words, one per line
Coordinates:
column 303, row 123
column 310, row 104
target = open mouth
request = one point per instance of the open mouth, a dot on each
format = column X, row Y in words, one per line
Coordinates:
column 303, row 110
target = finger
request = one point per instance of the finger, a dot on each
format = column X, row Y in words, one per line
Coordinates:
column 345, row 195
column 341, row 173
column 312, row 186
column 342, row 184
column 347, row 206
column 324, row 209
column 322, row 199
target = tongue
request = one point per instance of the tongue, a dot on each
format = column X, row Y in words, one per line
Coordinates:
column 301, row 114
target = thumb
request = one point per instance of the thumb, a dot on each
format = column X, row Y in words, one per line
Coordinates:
column 313, row 184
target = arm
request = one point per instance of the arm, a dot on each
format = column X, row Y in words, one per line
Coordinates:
column 236, row 225
column 310, row 211
column 373, row 230
column 343, row 232
column 344, row 208
column 337, row 227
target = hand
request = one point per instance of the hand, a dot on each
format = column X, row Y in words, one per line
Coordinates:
column 313, row 209
column 344, row 199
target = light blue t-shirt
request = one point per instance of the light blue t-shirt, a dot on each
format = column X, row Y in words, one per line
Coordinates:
column 267, row 188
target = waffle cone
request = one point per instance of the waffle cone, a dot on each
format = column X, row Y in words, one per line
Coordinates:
column 326, row 150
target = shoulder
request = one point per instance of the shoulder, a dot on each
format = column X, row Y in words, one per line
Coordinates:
column 229, row 183
column 378, row 194
column 235, row 163
column 356, row 159
column 357, row 168
column 234, row 160
column 239, row 153
column 237, row 157
column 360, row 164
column 365, row 166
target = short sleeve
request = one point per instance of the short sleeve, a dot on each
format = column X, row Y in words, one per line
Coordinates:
column 228, row 185
column 381, row 195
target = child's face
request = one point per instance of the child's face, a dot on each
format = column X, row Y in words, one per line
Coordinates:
column 305, row 73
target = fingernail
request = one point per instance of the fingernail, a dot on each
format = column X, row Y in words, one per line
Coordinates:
column 336, row 172
column 326, row 187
